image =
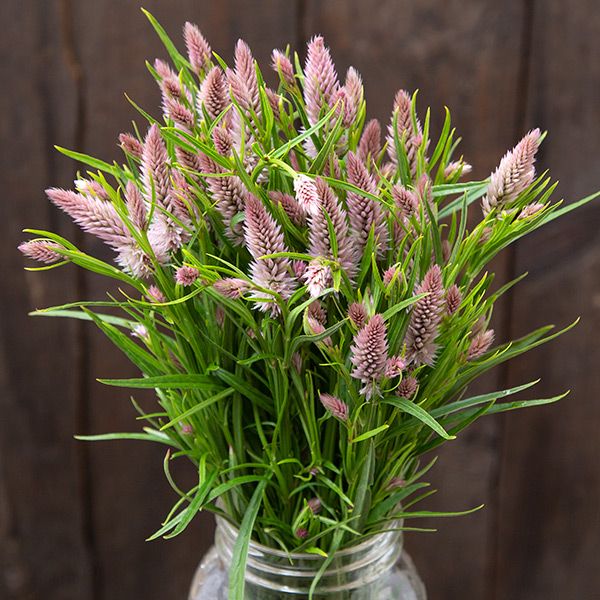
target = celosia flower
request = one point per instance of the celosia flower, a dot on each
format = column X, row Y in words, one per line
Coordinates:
column 197, row 47
column 405, row 130
column 307, row 195
column 314, row 327
column 335, row 406
column 369, row 146
column 131, row 145
column 407, row 387
column 358, row 314
column 186, row 275
column 394, row 366
column 315, row 505
column 155, row 295
column 41, row 250
column 530, row 210
column 480, row 344
column 365, row 213
column 301, row 533
column 456, row 167
column 350, row 97
column 263, row 236
column 163, row 69
column 155, row 169
column 406, row 201
column 320, row 243
column 514, row 174
column 91, row 188
column 320, row 79
column 369, row 352
column 213, row 96
column 453, row 299
column 317, row 311
column 187, row 429
column 283, row 65
column 231, row 287
column 291, row 207
column 396, row 482
column 179, row 113
column 223, row 141
column 317, row 277
column 135, row 206
column 390, row 274
column 140, row 331
column 425, row 319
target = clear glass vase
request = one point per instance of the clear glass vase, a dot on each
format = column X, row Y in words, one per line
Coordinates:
column 377, row 569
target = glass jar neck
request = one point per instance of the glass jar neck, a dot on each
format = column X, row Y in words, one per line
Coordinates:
column 274, row 574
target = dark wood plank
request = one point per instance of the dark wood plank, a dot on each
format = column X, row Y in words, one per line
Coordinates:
column 44, row 551
column 455, row 53
column 549, row 526
column 128, row 489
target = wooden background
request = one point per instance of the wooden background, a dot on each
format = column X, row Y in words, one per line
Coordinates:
column 73, row 517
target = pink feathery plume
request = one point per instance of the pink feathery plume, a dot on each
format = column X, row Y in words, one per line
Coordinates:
column 155, row 295
column 231, row 287
column 198, row 49
column 317, row 311
column 170, row 88
column 457, row 168
column 320, row 245
column 179, row 113
column 274, row 98
column 369, row 353
column 214, row 96
column 41, row 250
column 246, row 71
column 530, row 210
column 264, row 236
column 222, row 140
column 318, row 277
column 352, row 97
column 90, row 187
column 101, row 219
column 335, row 406
column 406, row 201
column 453, row 299
column 315, row 327
column 291, row 207
column 369, row 145
column 425, row 319
column 390, row 274
column 307, row 195
column 365, row 214
column 155, row 168
column 407, row 387
column 283, row 65
column 320, row 79
column 480, row 344
column 130, row 145
column 404, row 127
column 358, row 314
column 135, row 206
column 186, row 276
column 229, row 197
column 163, row 69
column 189, row 161
column 514, row 174
column 394, row 366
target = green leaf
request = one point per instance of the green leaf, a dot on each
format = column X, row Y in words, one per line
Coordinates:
column 421, row 414
column 239, row 557
column 96, row 163
column 167, row 382
column 369, row 434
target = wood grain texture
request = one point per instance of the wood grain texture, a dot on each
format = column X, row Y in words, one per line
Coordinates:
column 466, row 55
column 549, row 525
column 44, row 550
column 130, row 496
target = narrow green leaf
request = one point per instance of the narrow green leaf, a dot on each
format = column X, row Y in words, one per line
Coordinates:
column 416, row 411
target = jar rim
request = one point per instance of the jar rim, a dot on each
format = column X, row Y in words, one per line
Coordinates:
column 372, row 540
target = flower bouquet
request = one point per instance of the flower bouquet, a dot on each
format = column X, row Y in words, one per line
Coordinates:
column 305, row 292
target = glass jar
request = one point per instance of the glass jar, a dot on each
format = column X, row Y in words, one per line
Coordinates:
column 376, row 569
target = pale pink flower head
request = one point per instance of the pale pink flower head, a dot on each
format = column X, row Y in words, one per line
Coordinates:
column 320, row 79
column 407, row 387
column 41, row 250
column 291, row 207
column 530, row 210
column 197, row 47
column 480, row 344
column 425, row 318
column 394, row 366
column 187, row 429
column 307, row 195
column 514, row 174
column 369, row 350
column 391, row 274
column 131, row 145
column 155, row 168
column 214, row 95
column 358, row 314
column 318, row 278
column 186, row 275
column 453, row 299
column 369, row 146
column 155, row 295
column 315, row 505
column 283, row 65
column 231, row 287
column 457, row 167
column 335, row 406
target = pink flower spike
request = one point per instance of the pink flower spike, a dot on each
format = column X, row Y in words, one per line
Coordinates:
column 41, row 250
column 480, row 344
column 358, row 314
column 394, row 366
column 317, row 277
column 335, row 406
column 131, row 145
column 306, row 194
column 186, row 276
column 231, row 287
column 197, row 47
column 453, row 299
column 155, row 295
column 283, row 65
column 408, row 387
column 214, row 95
column 369, row 146
column 369, row 350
